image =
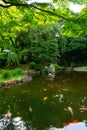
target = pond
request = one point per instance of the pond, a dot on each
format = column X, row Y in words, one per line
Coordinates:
column 43, row 104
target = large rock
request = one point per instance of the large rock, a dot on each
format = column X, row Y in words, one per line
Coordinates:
column 51, row 76
column 26, row 79
column 16, row 81
column 12, row 81
column 1, row 84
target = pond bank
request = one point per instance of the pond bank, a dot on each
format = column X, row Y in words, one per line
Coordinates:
column 16, row 81
column 80, row 69
column 28, row 75
column 74, row 69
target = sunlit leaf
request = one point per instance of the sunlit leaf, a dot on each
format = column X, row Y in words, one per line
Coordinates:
column 30, row 109
column 55, row 96
column 45, row 89
column 45, row 98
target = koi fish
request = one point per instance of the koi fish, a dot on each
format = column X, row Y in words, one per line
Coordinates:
column 8, row 114
column 30, row 109
column 70, row 110
column 73, row 122
column 45, row 98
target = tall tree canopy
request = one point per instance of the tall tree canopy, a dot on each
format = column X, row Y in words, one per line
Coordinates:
column 43, row 13
column 17, row 16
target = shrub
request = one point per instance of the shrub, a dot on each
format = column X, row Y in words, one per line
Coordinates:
column 39, row 66
column 6, row 74
column 57, row 66
column 32, row 65
column 16, row 72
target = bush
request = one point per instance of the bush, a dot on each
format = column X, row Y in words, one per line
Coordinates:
column 39, row 66
column 57, row 66
column 6, row 75
column 16, row 72
column 32, row 65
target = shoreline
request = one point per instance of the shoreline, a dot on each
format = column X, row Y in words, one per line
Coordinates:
column 28, row 78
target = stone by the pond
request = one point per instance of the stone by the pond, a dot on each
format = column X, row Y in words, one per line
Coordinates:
column 16, row 81
column 51, row 76
column 26, row 79
column 12, row 82
column 1, row 84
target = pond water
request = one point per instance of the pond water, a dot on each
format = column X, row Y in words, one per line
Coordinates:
column 43, row 104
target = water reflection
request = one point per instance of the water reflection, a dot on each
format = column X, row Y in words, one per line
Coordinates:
column 7, row 122
column 60, row 98
column 76, row 126
column 18, row 124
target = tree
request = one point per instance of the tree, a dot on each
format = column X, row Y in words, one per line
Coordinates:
column 17, row 15
column 38, row 44
column 51, row 12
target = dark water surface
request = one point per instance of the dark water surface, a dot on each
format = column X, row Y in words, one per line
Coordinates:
column 42, row 103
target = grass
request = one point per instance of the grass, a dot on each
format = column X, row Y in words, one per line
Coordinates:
column 6, row 74
column 83, row 68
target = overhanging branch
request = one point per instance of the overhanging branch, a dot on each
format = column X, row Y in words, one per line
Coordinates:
column 9, row 4
column 50, row 12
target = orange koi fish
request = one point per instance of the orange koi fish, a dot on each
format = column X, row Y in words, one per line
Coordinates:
column 8, row 114
column 73, row 122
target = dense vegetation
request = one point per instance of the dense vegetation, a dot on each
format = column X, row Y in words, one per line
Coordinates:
column 42, row 32
column 10, row 74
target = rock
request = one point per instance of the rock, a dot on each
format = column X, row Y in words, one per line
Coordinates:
column 51, row 76
column 51, row 69
column 1, row 84
column 26, row 79
column 11, row 82
column 16, row 81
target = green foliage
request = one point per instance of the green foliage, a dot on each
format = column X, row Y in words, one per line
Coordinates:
column 16, row 72
column 39, row 44
column 56, row 66
column 32, row 65
column 30, row 42
column 25, row 54
column 39, row 67
column 13, row 59
column 36, row 66
column 9, row 74
column 2, row 56
column 6, row 74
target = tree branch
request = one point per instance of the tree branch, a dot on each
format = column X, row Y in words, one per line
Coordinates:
column 8, row 4
column 50, row 12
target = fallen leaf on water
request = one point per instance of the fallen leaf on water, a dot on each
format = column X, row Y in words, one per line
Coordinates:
column 25, row 91
column 45, row 98
column 55, row 96
column 17, row 113
column 70, row 110
column 30, row 109
column 83, row 108
column 49, row 85
column 45, row 89
column 58, row 85
column 65, row 90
